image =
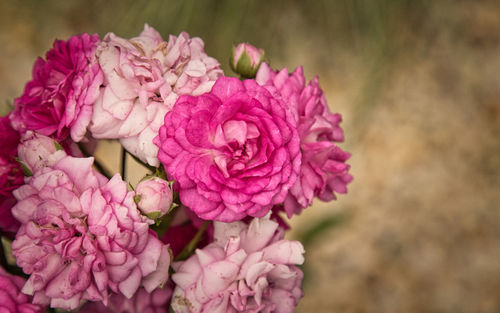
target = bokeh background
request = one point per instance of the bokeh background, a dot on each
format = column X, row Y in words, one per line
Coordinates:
column 418, row 86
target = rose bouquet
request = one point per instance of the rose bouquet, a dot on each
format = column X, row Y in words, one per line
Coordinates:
column 224, row 158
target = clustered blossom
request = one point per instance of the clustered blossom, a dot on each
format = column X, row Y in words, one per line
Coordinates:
column 60, row 98
column 248, row 268
column 143, row 78
column 12, row 300
column 323, row 171
column 237, row 154
column 82, row 236
column 233, row 152
column 11, row 174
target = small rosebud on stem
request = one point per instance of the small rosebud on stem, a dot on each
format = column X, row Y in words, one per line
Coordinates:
column 246, row 59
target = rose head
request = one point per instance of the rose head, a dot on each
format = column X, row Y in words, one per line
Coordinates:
column 246, row 59
column 12, row 300
column 323, row 171
column 233, row 152
column 11, row 174
column 155, row 197
column 143, row 78
column 59, row 100
column 248, row 268
column 82, row 235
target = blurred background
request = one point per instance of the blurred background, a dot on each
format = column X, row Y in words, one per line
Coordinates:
column 418, row 86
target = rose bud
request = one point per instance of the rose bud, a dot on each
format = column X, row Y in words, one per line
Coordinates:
column 153, row 197
column 246, row 59
column 37, row 151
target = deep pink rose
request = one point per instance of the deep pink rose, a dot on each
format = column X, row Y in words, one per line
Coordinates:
column 233, row 152
column 12, row 300
column 143, row 78
column 82, row 235
column 59, row 100
column 324, row 171
column 11, row 175
column 183, row 229
column 248, row 268
column 157, row 301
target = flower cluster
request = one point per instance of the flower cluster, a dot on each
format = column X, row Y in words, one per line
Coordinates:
column 224, row 157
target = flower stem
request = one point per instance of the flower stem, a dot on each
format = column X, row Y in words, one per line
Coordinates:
column 123, row 163
column 191, row 246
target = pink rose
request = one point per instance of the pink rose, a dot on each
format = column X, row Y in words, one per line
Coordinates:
column 143, row 78
column 59, row 99
column 248, row 268
column 82, row 236
column 155, row 197
column 233, row 152
column 11, row 174
column 324, row 171
column 12, row 300
column 157, row 301
column 246, row 59
column 37, row 151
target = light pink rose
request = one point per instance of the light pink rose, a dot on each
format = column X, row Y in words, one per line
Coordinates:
column 11, row 175
column 12, row 300
column 143, row 78
column 157, row 301
column 324, row 171
column 155, row 197
column 60, row 98
column 246, row 59
column 82, row 236
column 233, row 152
column 37, row 151
column 248, row 268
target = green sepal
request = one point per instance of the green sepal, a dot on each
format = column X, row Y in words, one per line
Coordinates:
column 58, row 146
column 26, row 170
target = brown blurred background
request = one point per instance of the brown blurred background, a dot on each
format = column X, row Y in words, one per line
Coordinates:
column 418, row 85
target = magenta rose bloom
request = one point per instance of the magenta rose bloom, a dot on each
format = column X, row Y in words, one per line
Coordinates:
column 11, row 175
column 82, row 235
column 248, row 268
column 59, row 100
column 143, row 78
column 12, row 300
column 324, row 171
column 157, row 301
column 233, row 152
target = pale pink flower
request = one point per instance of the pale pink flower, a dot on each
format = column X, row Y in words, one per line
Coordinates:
column 82, row 236
column 11, row 175
column 37, row 151
column 158, row 301
column 233, row 152
column 60, row 98
column 246, row 59
column 154, row 197
column 12, row 300
column 143, row 78
column 248, row 268
column 324, row 171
